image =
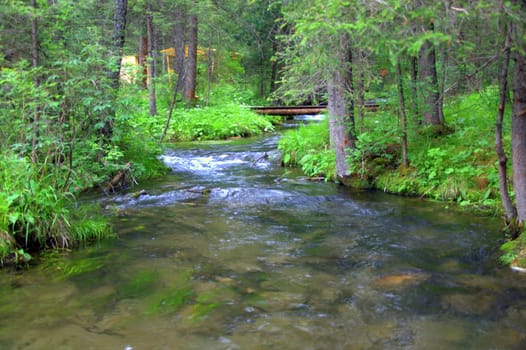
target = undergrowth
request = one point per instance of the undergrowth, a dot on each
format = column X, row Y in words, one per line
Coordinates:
column 217, row 123
column 224, row 117
column 457, row 167
column 34, row 215
column 308, row 148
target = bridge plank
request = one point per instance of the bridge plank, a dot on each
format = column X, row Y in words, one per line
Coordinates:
column 301, row 110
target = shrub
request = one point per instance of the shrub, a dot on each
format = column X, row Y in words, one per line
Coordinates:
column 457, row 166
column 308, row 147
column 216, row 123
column 35, row 215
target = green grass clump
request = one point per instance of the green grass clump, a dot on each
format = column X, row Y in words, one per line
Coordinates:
column 223, row 117
column 34, row 214
column 217, row 123
column 514, row 252
column 308, row 148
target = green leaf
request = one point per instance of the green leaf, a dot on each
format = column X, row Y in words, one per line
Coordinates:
column 13, row 217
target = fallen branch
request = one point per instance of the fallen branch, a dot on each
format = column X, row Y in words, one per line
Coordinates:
column 119, row 180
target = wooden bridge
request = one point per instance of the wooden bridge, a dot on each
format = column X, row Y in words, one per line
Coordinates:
column 371, row 105
column 289, row 110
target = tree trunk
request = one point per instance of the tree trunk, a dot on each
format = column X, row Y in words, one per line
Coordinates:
column 143, row 61
column 179, row 62
column 151, row 61
column 429, row 80
column 509, row 208
column 36, row 82
column 519, row 130
column 191, row 62
column 403, row 116
column 414, row 90
column 169, row 117
column 119, row 27
column 117, row 45
column 341, row 117
column 209, row 71
column 179, row 46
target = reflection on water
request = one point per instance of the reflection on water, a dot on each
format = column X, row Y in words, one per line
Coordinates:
column 232, row 252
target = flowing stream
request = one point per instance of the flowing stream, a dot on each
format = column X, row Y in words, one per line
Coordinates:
column 231, row 251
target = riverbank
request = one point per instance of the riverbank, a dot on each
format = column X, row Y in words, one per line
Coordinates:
column 457, row 168
column 39, row 207
column 231, row 250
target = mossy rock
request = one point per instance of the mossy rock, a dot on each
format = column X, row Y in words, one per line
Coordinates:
column 514, row 253
column 355, row 182
column 519, row 263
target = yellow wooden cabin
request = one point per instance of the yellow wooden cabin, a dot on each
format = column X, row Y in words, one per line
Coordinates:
column 129, row 68
column 130, row 64
column 169, row 56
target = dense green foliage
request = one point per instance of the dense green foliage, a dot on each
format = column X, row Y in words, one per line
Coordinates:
column 215, row 123
column 308, row 148
column 457, row 167
column 514, row 252
column 68, row 127
column 35, row 215
column 225, row 116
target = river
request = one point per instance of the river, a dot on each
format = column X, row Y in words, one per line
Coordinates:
column 231, row 251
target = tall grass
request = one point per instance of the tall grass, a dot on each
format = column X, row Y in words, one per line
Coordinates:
column 308, row 148
column 35, row 215
column 216, row 123
column 224, row 117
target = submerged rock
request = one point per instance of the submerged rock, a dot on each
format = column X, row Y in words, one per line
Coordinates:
column 279, row 301
column 400, row 280
column 468, row 304
column 139, row 193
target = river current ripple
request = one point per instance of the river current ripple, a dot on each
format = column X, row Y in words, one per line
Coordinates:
column 232, row 251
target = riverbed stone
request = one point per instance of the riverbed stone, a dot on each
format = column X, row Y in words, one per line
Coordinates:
column 68, row 336
column 225, row 280
column 451, row 266
column 500, row 336
column 468, row 304
column 124, row 311
column 277, row 301
column 273, row 332
column 479, row 282
column 395, row 281
column 439, row 334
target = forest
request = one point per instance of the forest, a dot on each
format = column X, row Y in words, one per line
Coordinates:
column 91, row 92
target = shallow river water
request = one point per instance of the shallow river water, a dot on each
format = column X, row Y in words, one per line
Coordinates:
column 231, row 251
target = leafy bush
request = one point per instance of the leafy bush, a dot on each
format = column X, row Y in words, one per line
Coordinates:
column 514, row 252
column 232, row 93
column 459, row 166
column 216, row 123
column 308, row 147
column 35, row 215
column 225, row 116
column 372, row 156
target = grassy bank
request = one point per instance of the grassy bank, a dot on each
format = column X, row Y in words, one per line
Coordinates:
column 38, row 200
column 458, row 167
